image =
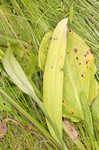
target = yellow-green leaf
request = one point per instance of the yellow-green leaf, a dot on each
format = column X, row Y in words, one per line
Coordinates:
column 43, row 50
column 79, row 71
column 53, row 77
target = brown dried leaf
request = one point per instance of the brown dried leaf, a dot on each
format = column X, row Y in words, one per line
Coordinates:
column 4, row 128
column 71, row 130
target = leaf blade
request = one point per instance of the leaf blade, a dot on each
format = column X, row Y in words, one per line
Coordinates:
column 18, row 76
column 53, row 77
column 79, row 71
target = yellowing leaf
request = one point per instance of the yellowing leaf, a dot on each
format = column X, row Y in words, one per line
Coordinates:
column 79, row 71
column 43, row 50
column 53, row 77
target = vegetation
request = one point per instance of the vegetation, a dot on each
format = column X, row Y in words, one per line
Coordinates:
column 47, row 100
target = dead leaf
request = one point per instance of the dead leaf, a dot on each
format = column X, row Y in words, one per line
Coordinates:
column 71, row 130
column 4, row 128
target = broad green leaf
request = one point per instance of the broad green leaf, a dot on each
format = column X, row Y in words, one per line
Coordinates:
column 43, row 50
column 12, row 29
column 27, row 59
column 14, row 26
column 79, row 75
column 53, row 77
column 18, row 76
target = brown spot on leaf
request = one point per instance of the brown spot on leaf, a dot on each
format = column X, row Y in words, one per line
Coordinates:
column 80, row 63
column 87, row 61
column 50, row 38
column 77, row 58
column 85, row 55
column 51, row 67
column 82, row 75
column 61, row 69
column 75, row 50
column 55, row 38
column 63, row 100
